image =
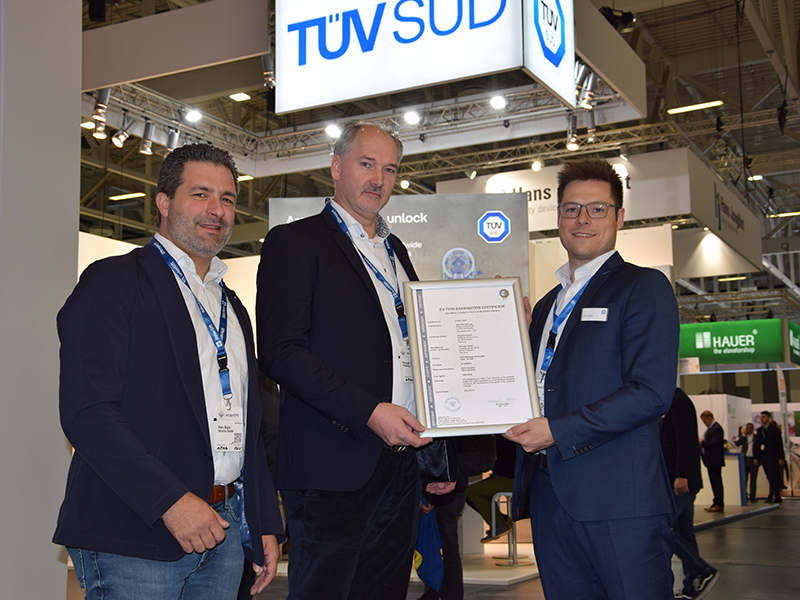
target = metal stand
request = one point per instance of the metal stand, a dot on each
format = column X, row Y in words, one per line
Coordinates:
column 512, row 560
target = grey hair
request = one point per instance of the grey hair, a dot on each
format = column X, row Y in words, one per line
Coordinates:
column 350, row 129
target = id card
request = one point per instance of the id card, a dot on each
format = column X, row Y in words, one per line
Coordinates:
column 405, row 362
column 229, row 429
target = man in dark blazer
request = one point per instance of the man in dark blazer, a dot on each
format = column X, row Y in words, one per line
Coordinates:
column 713, row 447
column 161, row 502
column 682, row 459
column 331, row 333
column 747, row 442
column 769, row 454
column 605, row 346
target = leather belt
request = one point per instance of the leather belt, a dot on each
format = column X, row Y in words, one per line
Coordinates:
column 220, row 492
column 540, row 460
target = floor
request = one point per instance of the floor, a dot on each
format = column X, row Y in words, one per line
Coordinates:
column 757, row 552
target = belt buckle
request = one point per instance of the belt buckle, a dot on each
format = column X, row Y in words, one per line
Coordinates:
column 398, row 448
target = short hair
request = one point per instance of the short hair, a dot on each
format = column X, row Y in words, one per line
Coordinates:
column 766, row 412
column 590, row 169
column 350, row 129
column 707, row 413
column 170, row 176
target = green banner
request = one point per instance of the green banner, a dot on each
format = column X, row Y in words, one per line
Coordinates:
column 733, row 342
column 794, row 343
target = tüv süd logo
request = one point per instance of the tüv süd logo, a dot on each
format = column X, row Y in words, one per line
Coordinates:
column 494, row 226
column 549, row 22
column 405, row 20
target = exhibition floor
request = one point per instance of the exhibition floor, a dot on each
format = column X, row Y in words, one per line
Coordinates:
column 755, row 548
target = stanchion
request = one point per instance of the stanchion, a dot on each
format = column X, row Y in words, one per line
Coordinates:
column 512, row 560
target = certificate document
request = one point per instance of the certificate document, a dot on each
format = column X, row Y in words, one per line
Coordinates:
column 471, row 356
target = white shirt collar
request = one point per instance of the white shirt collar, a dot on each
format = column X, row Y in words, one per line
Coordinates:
column 584, row 272
column 216, row 271
column 382, row 228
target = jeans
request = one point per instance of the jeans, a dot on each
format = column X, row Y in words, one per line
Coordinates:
column 212, row 575
column 480, row 494
column 685, row 542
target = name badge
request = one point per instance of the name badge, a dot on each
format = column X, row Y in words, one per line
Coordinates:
column 594, row 314
column 229, row 429
column 405, row 362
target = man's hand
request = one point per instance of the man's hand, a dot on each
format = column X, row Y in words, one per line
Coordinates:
column 396, row 426
column 781, row 462
column 195, row 525
column 266, row 573
column 755, row 462
column 533, row 435
column 440, row 488
column 681, row 486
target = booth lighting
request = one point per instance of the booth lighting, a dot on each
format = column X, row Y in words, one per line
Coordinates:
column 100, row 130
column 173, row 139
column 405, row 183
column 536, row 165
column 239, row 97
column 572, row 143
column 691, row 107
column 755, row 178
column 674, row 226
column 333, row 131
column 581, row 71
column 189, row 139
column 472, row 174
column 786, row 214
column 572, row 137
column 498, row 102
column 127, row 196
column 99, row 112
column 244, row 178
column 88, row 124
column 592, row 137
column 193, row 116
column 411, row 117
column 146, row 146
column 624, row 152
column 621, row 170
column 118, row 139
column 738, row 278
column 705, row 228
column 587, row 93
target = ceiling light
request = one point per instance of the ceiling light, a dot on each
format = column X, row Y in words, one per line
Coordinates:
column 536, row 165
column 244, row 178
column 333, row 131
column 193, row 116
column 738, row 278
column 592, row 133
column 127, row 196
column 146, row 146
column 786, row 214
column 118, row 139
column 572, row 144
column 572, row 138
column 683, row 109
column 99, row 112
column 472, row 174
column 422, row 137
column 581, row 71
column 587, row 94
column 411, row 117
column 240, row 97
column 674, row 226
column 173, row 140
column 624, row 152
column 189, row 139
column 100, row 130
column 621, row 170
column 405, row 183
column 88, row 124
column 705, row 228
column 498, row 102
column 755, row 178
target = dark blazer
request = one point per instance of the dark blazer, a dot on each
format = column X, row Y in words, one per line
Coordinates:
column 132, row 405
column 679, row 441
column 768, row 444
column 323, row 338
column 607, row 386
column 713, row 445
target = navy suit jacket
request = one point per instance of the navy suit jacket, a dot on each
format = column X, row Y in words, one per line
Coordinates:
column 713, row 446
column 323, row 338
column 607, row 386
column 132, row 405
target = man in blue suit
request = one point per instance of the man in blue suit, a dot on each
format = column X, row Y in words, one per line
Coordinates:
column 590, row 471
column 168, row 490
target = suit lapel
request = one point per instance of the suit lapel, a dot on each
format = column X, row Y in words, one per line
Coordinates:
column 180, row 331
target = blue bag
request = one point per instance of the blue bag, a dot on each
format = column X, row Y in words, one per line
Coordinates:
column 428, row 552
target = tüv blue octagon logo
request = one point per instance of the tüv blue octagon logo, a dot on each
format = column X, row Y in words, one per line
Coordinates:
column 494, row 227
column 548, row 18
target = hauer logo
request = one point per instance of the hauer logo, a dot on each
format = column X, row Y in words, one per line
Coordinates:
column 494, row 227
column 549, row 23
column 406, row 20
column 794, row 342
column 726, row 344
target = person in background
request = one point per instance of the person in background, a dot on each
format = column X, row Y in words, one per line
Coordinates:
column 769, row 454
column 746, row 441
column 480, row 493
column 713, row 448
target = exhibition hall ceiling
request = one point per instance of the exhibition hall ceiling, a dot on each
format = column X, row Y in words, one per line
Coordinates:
column 694, row 51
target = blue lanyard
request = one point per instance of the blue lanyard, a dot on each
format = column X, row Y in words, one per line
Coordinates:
column 558, row 319
column 398, row 302
column 217, row 336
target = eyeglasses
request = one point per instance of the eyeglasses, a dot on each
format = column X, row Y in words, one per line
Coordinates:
column 595, row 210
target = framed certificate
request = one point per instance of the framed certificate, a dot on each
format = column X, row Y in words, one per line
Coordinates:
column 470, row 356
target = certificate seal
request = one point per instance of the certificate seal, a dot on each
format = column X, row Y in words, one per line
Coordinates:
column 504, row 293
column 452, row 404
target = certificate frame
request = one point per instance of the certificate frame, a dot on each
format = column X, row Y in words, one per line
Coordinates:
column 515, row 344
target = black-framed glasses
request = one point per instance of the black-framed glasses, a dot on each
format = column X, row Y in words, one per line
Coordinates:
column 594, row 210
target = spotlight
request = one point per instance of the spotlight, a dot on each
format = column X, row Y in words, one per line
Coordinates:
column 118, row 139
column 88, row 124
column 405, row 183
column 239, row 97
column 422, row 137
column 189, row 140
column 99, row 112
column 624, row 152
column 193, row 116
column 498, row 102
column 472, row 174
column 587, row 94
column 572, row 138
column 411, row 117
column 755, row 178
column 100, row 130
column 333, row 131
column 581, row 71
column 536, row 165
column 174, row 139
column 146, row 146
column 268, row 67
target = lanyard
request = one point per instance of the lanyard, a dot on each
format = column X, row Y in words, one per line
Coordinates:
column 558, row 319
column 398, row 302
column 218, row 336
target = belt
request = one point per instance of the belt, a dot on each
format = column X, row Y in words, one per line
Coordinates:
column 220, row 492
column 540, row 460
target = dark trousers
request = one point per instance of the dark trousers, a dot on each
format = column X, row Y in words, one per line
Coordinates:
column 715, row 478
column 685, row 541
column 448, row 509
column 774, row 473
column 616, row 559
column 751, row 473
column 355, row 545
